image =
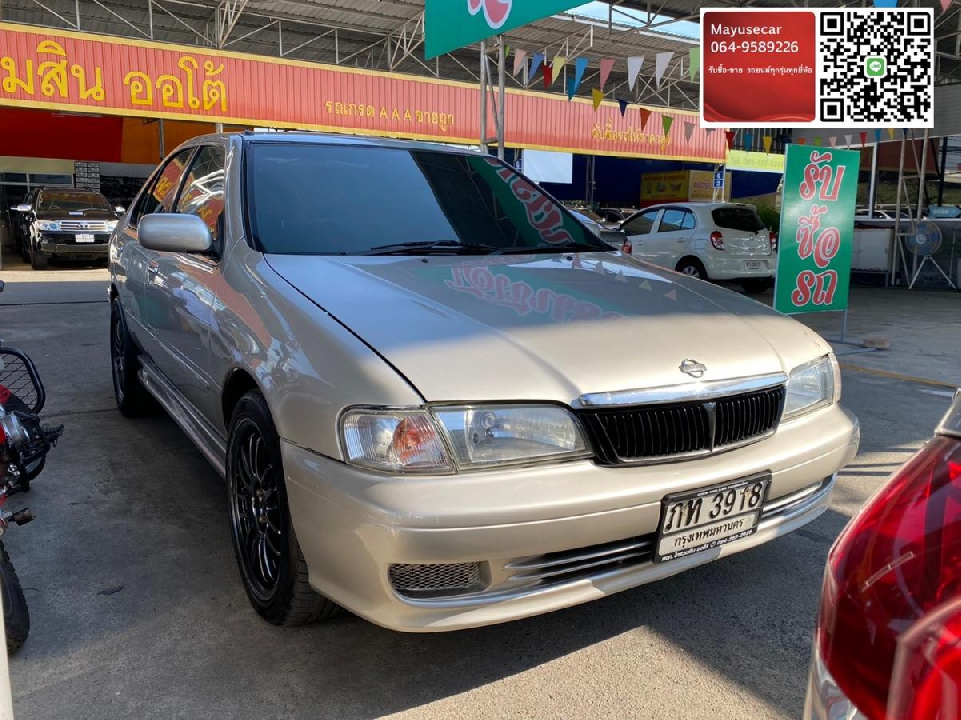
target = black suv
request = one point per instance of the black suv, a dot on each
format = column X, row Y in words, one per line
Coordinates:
column 61, row 222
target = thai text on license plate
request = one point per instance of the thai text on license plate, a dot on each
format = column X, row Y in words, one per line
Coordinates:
column 752, row 264
column 85, row 237
column 708, row 518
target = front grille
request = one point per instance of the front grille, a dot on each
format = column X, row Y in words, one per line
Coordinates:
column 435, row 580
column 570, row 564
column 655, row 432
column 83, row 225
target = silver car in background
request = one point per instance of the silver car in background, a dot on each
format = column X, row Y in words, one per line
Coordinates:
column 438, row 400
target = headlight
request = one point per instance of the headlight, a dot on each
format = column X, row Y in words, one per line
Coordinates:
column 812, row 386
column 483, row 436
column 48, row 225
column 447, row 439
column 111, row 224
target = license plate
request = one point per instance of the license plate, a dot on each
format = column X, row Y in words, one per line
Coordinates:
column 708, row 518
column 753, row 264
column 85, row 237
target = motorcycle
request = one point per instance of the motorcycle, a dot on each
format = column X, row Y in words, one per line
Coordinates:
column 24, row 444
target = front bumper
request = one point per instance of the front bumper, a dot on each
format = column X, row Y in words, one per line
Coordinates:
column 542, row 538
column 65, row 245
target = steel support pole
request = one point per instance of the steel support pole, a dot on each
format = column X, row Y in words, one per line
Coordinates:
column 501, row 95
column 896, row 245
column 483, row 95
column 873, row 185
column 922, row 174
column 944, row 167
column 163, row 148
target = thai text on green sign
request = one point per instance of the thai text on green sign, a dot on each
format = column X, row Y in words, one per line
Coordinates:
column 453, row 24
column 817, row 229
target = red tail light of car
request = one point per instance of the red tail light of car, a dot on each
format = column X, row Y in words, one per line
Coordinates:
column 898, row 561
column 717, row 240
column 772, row 238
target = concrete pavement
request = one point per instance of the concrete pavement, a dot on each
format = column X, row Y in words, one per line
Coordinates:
column 138, row 611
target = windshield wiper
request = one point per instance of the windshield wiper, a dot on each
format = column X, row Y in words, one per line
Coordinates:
column 444, row 247
column 565, row 248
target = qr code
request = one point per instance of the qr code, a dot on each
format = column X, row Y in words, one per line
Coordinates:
column 876, row 67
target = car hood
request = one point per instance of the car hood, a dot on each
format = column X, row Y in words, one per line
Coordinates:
column 539, row 327
column 68, row 215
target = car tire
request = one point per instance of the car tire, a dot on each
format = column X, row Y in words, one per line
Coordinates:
column 132, row 397
column 757, row 286
column 692, row 267
column 38, row 261
column 269, row 557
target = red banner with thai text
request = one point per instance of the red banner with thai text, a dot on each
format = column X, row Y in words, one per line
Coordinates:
column 77, row 72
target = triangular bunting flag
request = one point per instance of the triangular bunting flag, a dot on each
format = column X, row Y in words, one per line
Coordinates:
column 666, row 122
column 688, row 131
column 729, row 134
column 767, row 140
column 890, row 133
column 634, row 65
column 580, row 65
column 709, row 131
column 877, row 137
column 520, row 59
column 557, row 65
column 623, row 104
column 548, row 76
column 864, row 138
column 885, row 3
column 817, row 142
column 944, row 5
column 661, row 61
column 645, row 116
column 536, row 60
column 749, row 140
column 694, row 62
column 571, row 87
column 645, row 285
column 671, row 295
column 597, row 96
column 607, row 64
column 847, row 141
column 833, row 141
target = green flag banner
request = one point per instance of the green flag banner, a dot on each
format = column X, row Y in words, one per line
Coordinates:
column 453, row 24
column 817, row 229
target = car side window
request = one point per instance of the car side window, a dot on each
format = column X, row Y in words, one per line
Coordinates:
column 671, row 221
column 160, row 196
column 688, row 222
column 641, row 224
column 203, row 190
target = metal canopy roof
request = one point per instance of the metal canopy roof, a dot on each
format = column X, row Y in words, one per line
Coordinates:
column 374, row 34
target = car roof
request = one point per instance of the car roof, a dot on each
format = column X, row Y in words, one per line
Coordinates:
column 331, row 139
column 691, row 204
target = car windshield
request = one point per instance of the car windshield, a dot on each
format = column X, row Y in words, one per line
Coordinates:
column 72, row 201
column 735, row 218
column 307, row 199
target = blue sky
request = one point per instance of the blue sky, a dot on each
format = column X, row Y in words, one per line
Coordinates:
column 600, row 11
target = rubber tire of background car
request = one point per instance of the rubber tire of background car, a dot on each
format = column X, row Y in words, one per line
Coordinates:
column 133, row 400
column 38, row 261
column 756, row 286
column 292, row 601
column 16, row 615
column 692, row 263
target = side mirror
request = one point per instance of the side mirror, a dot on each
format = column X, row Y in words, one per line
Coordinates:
column 168, row 232
column 120, row 210
column 23, row 207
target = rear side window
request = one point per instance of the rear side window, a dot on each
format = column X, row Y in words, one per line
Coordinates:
column 676, row 219
column 735, row 218
column 203, row 190
column 163, row 189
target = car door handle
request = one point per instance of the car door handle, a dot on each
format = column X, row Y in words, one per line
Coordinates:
column 154, row 266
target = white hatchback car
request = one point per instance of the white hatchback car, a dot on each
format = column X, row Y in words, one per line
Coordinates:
column 710, row 241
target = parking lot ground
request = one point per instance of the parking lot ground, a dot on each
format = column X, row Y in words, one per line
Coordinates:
column 137, row 609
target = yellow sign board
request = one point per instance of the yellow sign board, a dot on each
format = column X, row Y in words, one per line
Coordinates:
column 682, row 186
column 757, row 161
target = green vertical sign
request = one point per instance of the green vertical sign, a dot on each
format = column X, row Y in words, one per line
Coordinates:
column 817, row 229
column 453, row 24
